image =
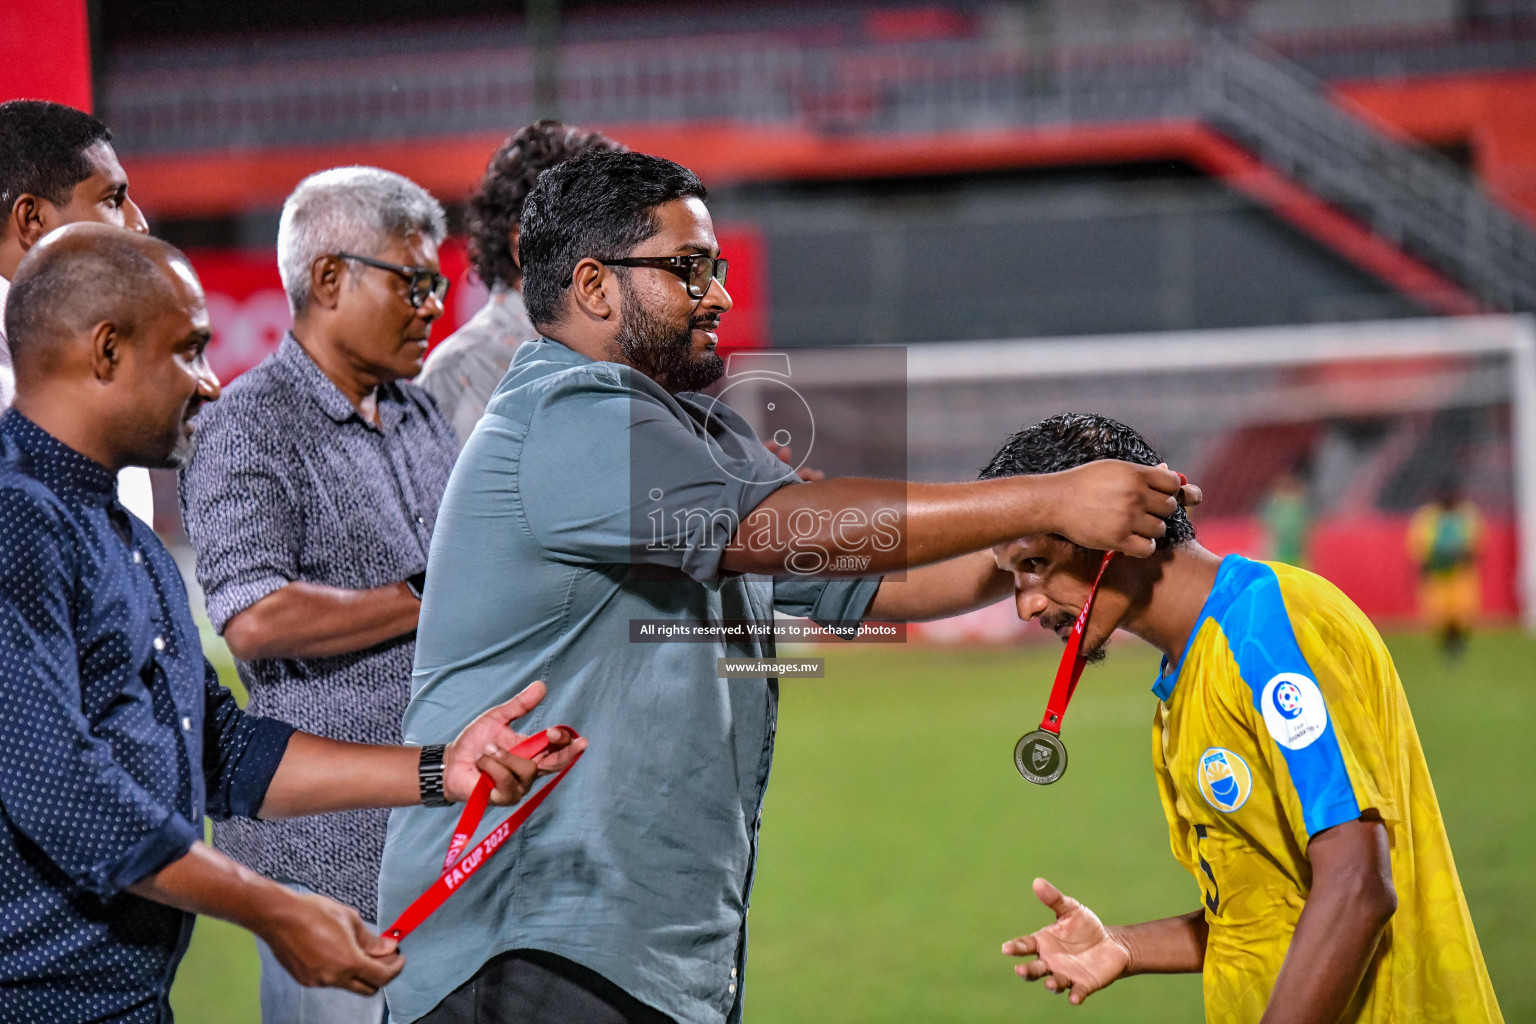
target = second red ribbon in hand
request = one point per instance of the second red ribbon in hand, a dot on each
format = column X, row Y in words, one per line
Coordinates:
column 456, row 869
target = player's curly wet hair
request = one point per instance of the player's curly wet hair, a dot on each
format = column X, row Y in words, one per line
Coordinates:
column 497, row 205
column 1073, row 439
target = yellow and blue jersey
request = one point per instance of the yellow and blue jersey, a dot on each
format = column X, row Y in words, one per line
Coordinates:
column 1285, row 716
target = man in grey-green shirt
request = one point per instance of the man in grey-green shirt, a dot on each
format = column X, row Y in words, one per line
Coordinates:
column 600, row 493
column 463, row 369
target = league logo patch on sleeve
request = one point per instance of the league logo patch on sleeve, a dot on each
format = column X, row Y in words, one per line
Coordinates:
column 1293, row 709
column 1225, row 780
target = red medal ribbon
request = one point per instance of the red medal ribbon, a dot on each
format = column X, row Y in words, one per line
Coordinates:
column 1072, row 662
column 458, row 870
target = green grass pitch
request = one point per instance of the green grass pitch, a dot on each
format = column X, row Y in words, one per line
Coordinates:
column 899, row 843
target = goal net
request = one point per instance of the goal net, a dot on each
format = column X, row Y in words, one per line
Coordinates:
column 1314, row 444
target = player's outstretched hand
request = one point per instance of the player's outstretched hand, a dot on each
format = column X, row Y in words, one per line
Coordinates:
column 1076, row 954
column 1110, row 505
column 485, row 745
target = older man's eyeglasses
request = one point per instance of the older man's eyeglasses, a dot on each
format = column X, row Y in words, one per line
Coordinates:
column 422, row 281
column 697, row 270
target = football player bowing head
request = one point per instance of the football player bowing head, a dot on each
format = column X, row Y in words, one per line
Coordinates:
column 1290, row 773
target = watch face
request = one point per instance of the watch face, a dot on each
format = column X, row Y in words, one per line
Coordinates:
column 1040, row 757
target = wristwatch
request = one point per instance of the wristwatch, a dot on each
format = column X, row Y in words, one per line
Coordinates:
column 430, row 776
column 416, row 584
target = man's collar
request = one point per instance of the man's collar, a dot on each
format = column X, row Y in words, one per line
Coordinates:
column 309, row 376
column 291, row 355
column 66, row 472
column 547, row 349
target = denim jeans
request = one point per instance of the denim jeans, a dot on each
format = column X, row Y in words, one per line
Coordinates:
column 285, row 1001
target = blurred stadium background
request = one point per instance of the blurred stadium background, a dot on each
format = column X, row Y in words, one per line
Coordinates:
column 1294, row 241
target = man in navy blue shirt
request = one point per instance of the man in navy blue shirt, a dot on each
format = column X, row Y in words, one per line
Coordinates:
column 115, row 736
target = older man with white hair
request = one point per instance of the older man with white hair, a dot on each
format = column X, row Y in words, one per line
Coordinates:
column 310, row 497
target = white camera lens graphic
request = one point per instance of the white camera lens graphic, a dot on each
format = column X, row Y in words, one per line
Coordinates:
column 759, row 390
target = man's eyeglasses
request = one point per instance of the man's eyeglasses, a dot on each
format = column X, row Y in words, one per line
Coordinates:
column 422, row 281
column 696, row 270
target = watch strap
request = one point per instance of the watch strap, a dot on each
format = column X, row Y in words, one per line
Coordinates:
column 416, row 583
column 430, row 776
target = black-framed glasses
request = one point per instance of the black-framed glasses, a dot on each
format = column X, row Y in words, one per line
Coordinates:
column 696, row 270
column 423, row 281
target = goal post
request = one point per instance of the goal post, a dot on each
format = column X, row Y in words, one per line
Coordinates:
column 1372, row 419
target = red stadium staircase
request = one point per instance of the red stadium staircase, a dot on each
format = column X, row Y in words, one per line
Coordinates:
column 1407, row 195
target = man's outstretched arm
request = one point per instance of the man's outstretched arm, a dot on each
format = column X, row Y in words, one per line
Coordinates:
column 319, row 775
column 318, row 940
column 958, row 585
column 1104, row 505
column 938, row 591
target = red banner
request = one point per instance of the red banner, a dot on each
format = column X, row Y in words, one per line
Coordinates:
column 45, row 52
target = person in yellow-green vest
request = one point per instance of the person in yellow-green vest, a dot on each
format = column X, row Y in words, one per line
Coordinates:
column 1444, row 539
column 1287, row 517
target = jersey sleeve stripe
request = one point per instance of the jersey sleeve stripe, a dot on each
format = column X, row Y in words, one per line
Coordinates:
column 1258, row 630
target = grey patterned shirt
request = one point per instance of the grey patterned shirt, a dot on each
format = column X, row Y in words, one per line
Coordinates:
column 288, row 482
column 462, row 372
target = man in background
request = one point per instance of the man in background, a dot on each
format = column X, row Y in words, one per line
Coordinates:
column 116, row 737
column 1287, row 517
column 310, row 499
column 1444, row 539
column 57, row 167
column 464, row 369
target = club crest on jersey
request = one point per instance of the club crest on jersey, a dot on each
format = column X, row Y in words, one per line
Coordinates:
column 1293, row 709
column 1288, row 700
column 1225, row 780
